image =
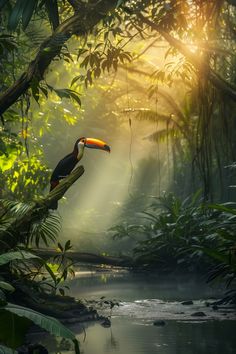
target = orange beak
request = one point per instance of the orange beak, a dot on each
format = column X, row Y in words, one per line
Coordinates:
column 97, row 144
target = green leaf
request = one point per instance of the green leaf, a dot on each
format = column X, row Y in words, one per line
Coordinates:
column 218, row 256
column 50, row 271
column 6, row 350
column 6, row 286
column 62, row 291
column 16, row 14
column 18, row 255
column 75, row 97
column 67, row 245
column 28, row 12
column 60, row 246
column 66, row 93
column 119, row 2
column 3, row 3
column 12, row 329
column 226, row 235
column 50, row 324
column 77, row 78
column 52, row 10
column 226, row 207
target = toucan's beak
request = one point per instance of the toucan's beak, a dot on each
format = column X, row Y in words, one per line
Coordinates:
column 97, row 144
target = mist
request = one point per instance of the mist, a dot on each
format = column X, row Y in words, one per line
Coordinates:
column 135, row 171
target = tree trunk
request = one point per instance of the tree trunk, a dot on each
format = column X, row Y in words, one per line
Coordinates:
column 79, row 24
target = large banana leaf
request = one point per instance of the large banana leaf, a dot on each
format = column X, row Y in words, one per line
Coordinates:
column 12, row 329
column 48, row 323
column 6, row 286
column 17, row 255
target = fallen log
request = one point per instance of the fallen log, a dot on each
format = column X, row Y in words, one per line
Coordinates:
column 82, row 257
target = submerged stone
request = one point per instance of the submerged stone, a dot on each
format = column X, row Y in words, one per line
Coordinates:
column 198, row 314
column 159, row 323
column 106, row 323
column 189, row 302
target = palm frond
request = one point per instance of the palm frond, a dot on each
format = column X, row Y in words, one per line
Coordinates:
column 35, row 36
column 162, row 135
column 15, row 209
column 172, row 103
column 149, row 115
column 45, row 230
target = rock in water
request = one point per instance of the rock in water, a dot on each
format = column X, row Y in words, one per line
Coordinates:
column 189, row 302
column 106, row 323
column 159, row 323
column 198, row 314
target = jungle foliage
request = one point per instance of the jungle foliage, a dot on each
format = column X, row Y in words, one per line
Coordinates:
column 188, row 97
column 16, row 319
column 199, row 58
column 186, row 236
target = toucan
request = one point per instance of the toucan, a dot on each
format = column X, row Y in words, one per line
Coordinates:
column 68, row 163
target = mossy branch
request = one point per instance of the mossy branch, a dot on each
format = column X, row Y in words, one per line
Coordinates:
column 15, row 231
column 58, row 192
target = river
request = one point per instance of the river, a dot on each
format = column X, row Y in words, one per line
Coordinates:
column 144, row 299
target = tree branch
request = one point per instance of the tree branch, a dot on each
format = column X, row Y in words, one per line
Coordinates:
column 12, row 235
column 58, row 192
column 79, row 24
column 202, row 67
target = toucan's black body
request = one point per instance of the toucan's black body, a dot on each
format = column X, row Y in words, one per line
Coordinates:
column 63, row 169
column 65, row 166
column 68, row 163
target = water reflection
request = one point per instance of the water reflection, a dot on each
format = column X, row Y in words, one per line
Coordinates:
column 175, row 338
column 129, row 287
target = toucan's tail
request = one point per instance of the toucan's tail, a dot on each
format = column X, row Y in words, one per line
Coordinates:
column 54, row 204
column 53, row 185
